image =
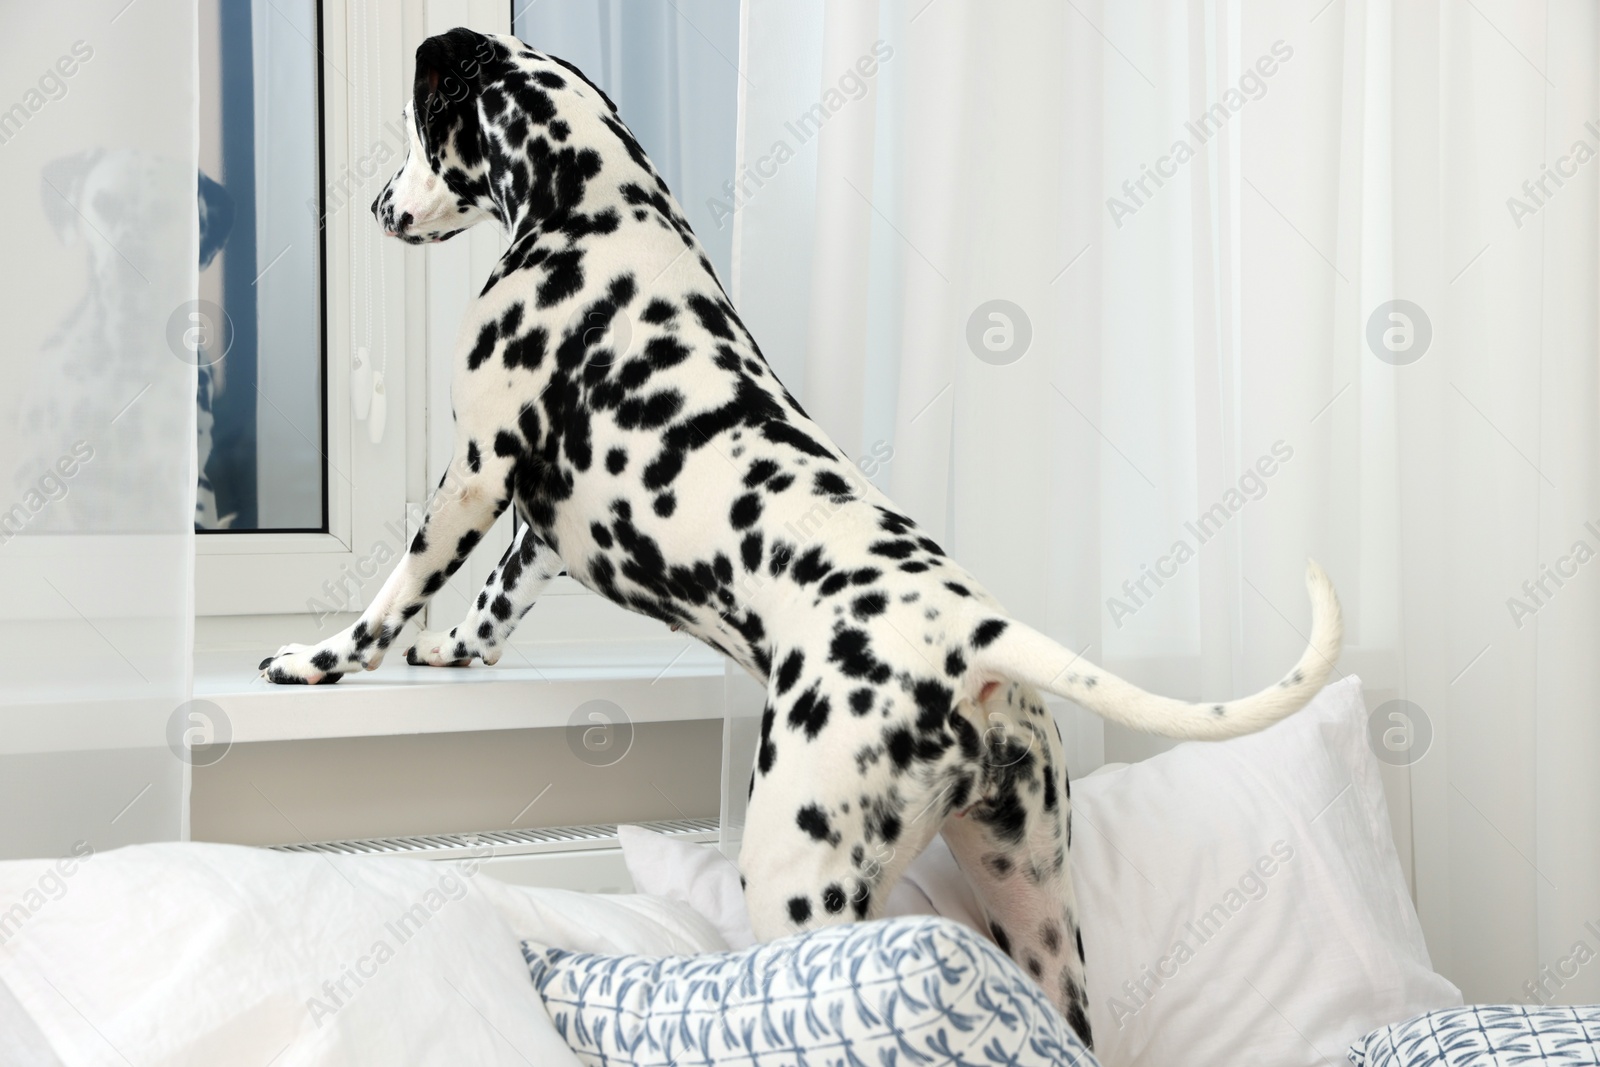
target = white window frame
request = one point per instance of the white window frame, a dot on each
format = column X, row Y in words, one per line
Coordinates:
column 373, row 490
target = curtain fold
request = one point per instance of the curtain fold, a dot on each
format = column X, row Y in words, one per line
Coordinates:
column 1293, row 281
column 98, row 163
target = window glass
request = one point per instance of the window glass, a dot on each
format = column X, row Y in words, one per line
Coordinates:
column 259, row 334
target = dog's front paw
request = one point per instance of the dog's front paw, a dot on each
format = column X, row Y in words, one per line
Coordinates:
column 447, row 650
column 302, row 665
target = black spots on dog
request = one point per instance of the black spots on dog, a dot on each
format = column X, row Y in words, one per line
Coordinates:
column 745, row 511
column 759, row 471
column 900, row 746
column 999, row 865
column 324, row 660
column 658, row 312
column 616, row 461
column 1000, row 937
column 880, row 819
column 810, row 713
column 783, row 433
column 563, row 277
column 1218, row 710
column 483, row 347
column 1050, row 936
column 833, row 583
column 869, row 605
column 860, row 701
column 434, row 583
column 799, row 910
column 1035, row 968
column 955, row 664
column 858, row 855
column 666, row 504
column 933, row 704
column 767, row 752
column 711, row 316
column 987, row 632
column 500, row 608
column 549, row 79
column 896, row 549
column 750, row 551
column 958, row 589
column 780, row 483
column 966, row 734
column 474, row 457
column 810, row 567
column 1075, row 1013
column 601, row 535
column 419, row 543
column 485, row 630
column 468, row 542
column 789, row 671
column 893, row 522
column 511, row 320
column 1078, row 936
column 814, row 822
column 833, row 898
column 861, row 902
column 527, row 351
column 850, row 650
column 831, row 484
column 1052, row 796
column 913, row 567
column 506, row 444
column 1005, row 815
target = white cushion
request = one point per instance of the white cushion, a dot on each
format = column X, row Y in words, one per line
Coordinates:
column 902, row 991
column 211, row 954
column 1487, row 1036
column 1249, row 894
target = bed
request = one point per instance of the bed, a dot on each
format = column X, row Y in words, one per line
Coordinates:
column 1212, row 880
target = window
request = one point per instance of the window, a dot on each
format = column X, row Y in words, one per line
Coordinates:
column 262, row 391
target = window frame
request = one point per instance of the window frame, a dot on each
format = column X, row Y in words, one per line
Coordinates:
column 268, row 572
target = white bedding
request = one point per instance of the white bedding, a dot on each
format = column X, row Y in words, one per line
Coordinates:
column 212, row 954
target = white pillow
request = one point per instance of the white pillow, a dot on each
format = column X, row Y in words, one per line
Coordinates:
column 1249, row 895
column 211, row 954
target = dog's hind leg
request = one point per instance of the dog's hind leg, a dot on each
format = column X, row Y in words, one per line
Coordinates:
column 513, row 586
column 465, row 505
column 1012, row 844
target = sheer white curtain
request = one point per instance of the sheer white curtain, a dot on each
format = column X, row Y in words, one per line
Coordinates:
column 1200, row 212
column 97, row 422
column 672, row 69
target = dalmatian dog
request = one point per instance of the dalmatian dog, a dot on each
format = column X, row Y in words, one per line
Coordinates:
column 677, row 477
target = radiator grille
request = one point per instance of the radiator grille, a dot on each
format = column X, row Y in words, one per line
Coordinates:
column 506, row 842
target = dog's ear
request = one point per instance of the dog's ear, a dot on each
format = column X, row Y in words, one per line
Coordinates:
column 451, row 71
column 216, row 219
column 61, row 184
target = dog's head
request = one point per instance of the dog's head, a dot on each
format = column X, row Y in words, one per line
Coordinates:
column 492, row 130
column 442, row 187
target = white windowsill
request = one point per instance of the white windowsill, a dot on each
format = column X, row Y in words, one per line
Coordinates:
column 532, row 686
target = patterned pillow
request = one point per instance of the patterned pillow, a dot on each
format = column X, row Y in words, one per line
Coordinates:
column 1486, row 1037
column 924, row 991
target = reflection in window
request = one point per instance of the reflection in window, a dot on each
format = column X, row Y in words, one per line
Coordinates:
column 261, row 400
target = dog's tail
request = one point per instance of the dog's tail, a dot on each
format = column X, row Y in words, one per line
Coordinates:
column 1006, row 650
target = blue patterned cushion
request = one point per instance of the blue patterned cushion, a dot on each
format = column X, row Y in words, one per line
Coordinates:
column 1486, row 1037
column 912, row 992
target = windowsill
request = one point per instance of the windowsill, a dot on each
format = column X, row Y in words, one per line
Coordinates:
column 535, row 685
